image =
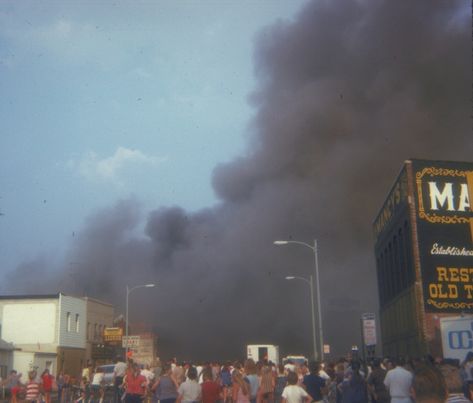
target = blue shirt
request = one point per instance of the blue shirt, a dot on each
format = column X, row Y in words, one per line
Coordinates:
column 314, row 384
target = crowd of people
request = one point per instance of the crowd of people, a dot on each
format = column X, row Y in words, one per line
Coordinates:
column 344, row 381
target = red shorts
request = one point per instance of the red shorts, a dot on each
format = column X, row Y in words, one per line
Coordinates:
column 15, row 390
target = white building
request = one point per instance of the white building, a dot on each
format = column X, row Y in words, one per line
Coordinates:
column 47, row 331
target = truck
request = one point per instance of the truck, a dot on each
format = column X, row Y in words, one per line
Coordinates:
column 297, row 360
column 263, row 352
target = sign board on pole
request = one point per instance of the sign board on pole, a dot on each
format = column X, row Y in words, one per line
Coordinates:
column 112, row 334
column 457, row 336
column 326, row 348
column 130, row 341
column 369, row 329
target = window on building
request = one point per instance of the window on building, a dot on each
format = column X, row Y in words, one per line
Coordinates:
column 77, row 323
column 88, row 331
column 68, row 319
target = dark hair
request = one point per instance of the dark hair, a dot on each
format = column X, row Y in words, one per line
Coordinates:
column 192, row 373
column 207, row 373
column 314, row 367
column 292, row 378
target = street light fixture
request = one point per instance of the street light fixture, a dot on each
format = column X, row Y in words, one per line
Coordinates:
column 311, row 284
column 128, row 291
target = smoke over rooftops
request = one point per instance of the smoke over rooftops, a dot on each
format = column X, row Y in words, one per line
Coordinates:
column 346, row 93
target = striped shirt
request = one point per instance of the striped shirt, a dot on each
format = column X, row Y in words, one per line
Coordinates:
column 32, row 391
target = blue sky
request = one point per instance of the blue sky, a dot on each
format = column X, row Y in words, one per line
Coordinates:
column 113, row 99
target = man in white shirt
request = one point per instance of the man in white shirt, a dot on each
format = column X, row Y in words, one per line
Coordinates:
column 398, row 381
column 119, row 372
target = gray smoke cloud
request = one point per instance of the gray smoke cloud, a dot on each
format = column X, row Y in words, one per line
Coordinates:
column 346, row 92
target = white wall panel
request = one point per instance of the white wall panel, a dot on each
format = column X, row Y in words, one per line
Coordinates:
column 29, row 323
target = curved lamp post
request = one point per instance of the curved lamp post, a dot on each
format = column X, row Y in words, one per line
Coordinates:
column 128, row 291
column 311, row 284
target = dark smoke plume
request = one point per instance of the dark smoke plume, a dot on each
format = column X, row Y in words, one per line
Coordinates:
column 346, row 93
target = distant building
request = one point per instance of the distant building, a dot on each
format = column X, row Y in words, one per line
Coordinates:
column 53, row 331
column 99, row 316
column 47, row 331
column 424, row 256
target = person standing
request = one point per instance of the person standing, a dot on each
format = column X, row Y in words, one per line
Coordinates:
column 135, row 385
column 376, row 386
column 97, row 386
column 398, row 382
column 119, row 372
column 165, row 387
column 453, row 380
column 240, row 388
column 428, row 386
column 60, row 385
column 293, row 393
column 13, row 384
column 267, row 384
column 467, row 370
column 32, row 388
column 250, row 375
column 281, row 383
column 47, row 382
column 313, row 383
column 189, row 391
column 211, row 390
column 354, row 388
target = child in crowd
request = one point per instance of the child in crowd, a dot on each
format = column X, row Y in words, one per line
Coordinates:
column 293, row 393
column 32, row 388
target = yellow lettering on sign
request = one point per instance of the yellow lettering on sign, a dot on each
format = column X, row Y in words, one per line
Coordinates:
column 454, row 274
column 469, row 289
column 443, row 291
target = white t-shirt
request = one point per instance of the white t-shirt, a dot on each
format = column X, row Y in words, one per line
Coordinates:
column 98, row 378
column 119, row 369
column 148, row 375
column 398, row 381
column 190, row 391
column 294, row 394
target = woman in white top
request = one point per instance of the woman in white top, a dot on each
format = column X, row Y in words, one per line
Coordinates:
column 189, row 391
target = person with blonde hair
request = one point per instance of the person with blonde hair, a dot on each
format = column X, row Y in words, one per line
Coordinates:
column 241, row 389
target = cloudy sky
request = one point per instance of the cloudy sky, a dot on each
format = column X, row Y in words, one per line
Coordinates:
column 174, row 142
column 111, row 99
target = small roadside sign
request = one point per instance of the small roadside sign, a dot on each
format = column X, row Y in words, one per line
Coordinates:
column 130, row 341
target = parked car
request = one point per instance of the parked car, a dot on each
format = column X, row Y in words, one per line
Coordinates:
column 107, row 370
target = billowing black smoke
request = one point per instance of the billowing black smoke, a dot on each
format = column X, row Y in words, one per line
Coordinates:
column 346, row 93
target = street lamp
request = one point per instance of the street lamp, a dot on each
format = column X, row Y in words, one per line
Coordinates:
column 311, row 283
column 128, row 291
